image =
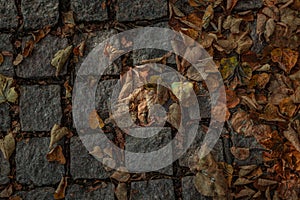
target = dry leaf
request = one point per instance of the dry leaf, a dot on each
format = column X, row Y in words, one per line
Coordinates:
column 247, row 192
column 7, row 192
column 291, row 135
column 28, row 48
column 68, row 89
column 18, row 59
column 240, row 153
column 7, row 91
column 232, row 99
column 265, row 182
column 56, row 154
column 79, row 50
column 57, row 133
column 60, row 58
column 208, row 15
column 259, row 80
column 242, row 181
column 61, row 189
column 270, row 28
column 241, row 123
column 1, row 58
column 174, row 115
column 287, row 107
column 286, row 58
column 7, row 145
column 95, row 121
column 121, row 175
column 121, row 191
column 233, row 24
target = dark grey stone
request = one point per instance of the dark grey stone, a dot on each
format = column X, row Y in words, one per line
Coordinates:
column 4, row 117
column 160, row 138
column 77, row 192
column 45, row 193
column 189, row 191
column 32, row 166
column 83, row 164
column 38, row 64
column 39, row 13
column 133, row 10
column 8, row 15
column 40, row 107
column 248, row 5
column 204, row 106
column 6, row 68
column 154, row 189
column 89, row 10
column 103, row 95
column 92, row 41
column 5, row 169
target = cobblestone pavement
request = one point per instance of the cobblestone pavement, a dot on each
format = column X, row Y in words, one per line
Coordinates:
column 42, row 102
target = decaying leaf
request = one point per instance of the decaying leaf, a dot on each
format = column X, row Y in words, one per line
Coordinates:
column 240, row 153
column 61, row 189
column 174, row 115
column 18, row 59
column 121, row 175
column 7, row 145
column 286, row 58
column 259, row 80
column 241, row 123
column 7, row 192
column 79, row 49
column 183, row 91
column 68, row 89
column 1, row 58
column 208, row 15
column 56, row 154
column 233, row 24
column 95, row 121
column 121, row 191
column 57, row 133
column 228, row 66
column 291, row 135
column 7, row 91
column 60, row 58
column 232, row 99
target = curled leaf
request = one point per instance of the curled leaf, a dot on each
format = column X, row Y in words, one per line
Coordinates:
column 1, row 58
column 240, row 153
column 61, row 189
column 18, row 59
column 95, row 121
column 56, row 154
column 7, row 145
column 60, row 58
column 57, row 133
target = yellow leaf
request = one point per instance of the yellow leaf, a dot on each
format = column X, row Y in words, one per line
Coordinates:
column 60, row 59
column 57, row 133
column 7, row 145
column 95, row 121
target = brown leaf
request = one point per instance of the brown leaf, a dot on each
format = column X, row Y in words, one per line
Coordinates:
column 233, row 24
column 208, row 15
column 56, row 154
column 245, row 170
column 270, row 113
column 241, row 123
column 1, row 58
column 230, row 4
column 121, row 191
column 7, row 145
column 68, row 89
column 291, row 135
column 40, row 34
column 95, row 121
column 232, row 99
column 265, row 182
column 57, row 133
column 18, row 59
column 286, row 58
column 259, row 80
column 28, row 48
column 240, row 153
column 270, row 28
column 60, row 58
column 174, row 115
column 287, row 107
column 7, row 192
column 121, row 175
column 247, row 192
column 242, row 181
column 79, row 49
column 61, row 189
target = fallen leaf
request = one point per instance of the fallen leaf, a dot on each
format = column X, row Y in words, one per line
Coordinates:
column 287, row 107
column 95, row 121
column 183, row 91
column 241, row 123
column 68, row 89
column 7, row 91
column 240, row 153
column 259, row 80
column 7, row 145
column 232, row 99
column 18, row 59
column 79, row 50
column 60, row 58
column 174, row 115
column 121, row 175
column 208, row 15
column 265, row 182
column 28, row 48
column 230, row 4
column 1, row 58
column 291, row 135
column 7, row 192
column 61, row 189
column 56, row 154
column 233, row 24
column 121, row 191
column 228, row 66
column 270, row 28
column 247, row 192
column 242, row 181
column 286, row 58
column 57, row 133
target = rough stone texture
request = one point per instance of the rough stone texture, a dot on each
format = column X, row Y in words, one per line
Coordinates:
column 217, row 151
column 248, row 5
column 255, row 148
column 147, row 145
column 83, row 164
column 8, row 15
column 38, row 64
column 32, row 166
column 132, row 10
column 103, row 95
column 6, row 68
column 154, row 189
column 45, row 193
column 90, row 10
column 5, row 169
column 40, row 107
column 189, row 191
column 4, row 117
column 92, row 41
column 77, row 192
column 204, row 106
column 39, row 13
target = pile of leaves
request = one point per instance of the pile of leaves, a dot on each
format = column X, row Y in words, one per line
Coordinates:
column 257, row 54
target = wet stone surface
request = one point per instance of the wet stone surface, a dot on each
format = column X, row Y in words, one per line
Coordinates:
column 4, row 117
column 35, row 169
column 90, row 10
column 189, row 191
column 44, row 193
column 77, row 192
column 6, row 68
column 38, row 64
column 8, row 15
column 153, row 189
column 5, row 169
column 159, row 139
column 39, row 13
column 83, row 164
column 133, row 10
column 40, row 107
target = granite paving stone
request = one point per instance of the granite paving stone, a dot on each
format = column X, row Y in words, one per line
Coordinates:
column 77, row 192
column 6, row 68
column 189, row 191
column 39, row 13
column 5, row 169
column 248, row 5
column 90, row 10
column 32, row 166
column 4, row 117
column 83, row 164
column 153, row 189
column 133, row 10
column 40, row 107
column 160, row 138
column 38, row 64
column 8, row 15
column 44, row 193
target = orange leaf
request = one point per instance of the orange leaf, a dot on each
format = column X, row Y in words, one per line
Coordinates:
column 95, row 121
column 56, row 154
column 61, row 189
